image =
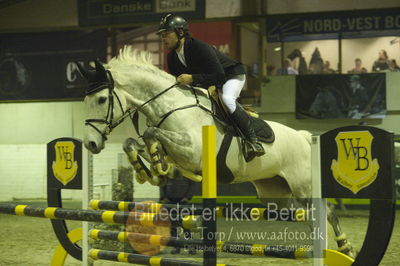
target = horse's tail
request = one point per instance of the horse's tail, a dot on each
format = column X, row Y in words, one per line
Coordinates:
column 307, row 135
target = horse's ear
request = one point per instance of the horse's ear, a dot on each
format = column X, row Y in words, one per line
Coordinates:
column 100, row 70
column 87, row 74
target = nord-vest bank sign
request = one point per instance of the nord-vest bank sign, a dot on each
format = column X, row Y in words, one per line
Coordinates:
column 358, row 23
column 108, row 12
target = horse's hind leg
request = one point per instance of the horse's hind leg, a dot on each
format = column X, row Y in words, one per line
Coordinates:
column 274, row 191
column 342, row 206
column 344, row 245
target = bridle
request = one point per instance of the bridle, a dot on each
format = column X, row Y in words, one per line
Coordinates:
column 108, row 120
column 132, row 112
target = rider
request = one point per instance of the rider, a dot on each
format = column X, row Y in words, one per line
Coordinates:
column 195, row 62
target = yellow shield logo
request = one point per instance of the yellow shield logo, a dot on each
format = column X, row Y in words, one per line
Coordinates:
column 354, row 169
column 64, row 167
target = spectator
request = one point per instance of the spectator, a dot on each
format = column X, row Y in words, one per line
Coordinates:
column 178, row 190
column 394, row 65
column 327, row 68
column 382, row 63
column 287, row 69
column 358, row 68
column 298, row 61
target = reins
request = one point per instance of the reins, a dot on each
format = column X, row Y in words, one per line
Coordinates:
column 135, row 118
column 132, row 112
column 197, row 104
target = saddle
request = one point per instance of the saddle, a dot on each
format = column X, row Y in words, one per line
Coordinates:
column 262, row 129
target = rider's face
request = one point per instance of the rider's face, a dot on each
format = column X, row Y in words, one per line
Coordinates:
column 169, row 39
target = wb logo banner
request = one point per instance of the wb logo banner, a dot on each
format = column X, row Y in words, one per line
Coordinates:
column 354, row 168
column 64, row 167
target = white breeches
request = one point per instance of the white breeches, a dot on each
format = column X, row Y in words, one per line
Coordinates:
column 231, row 91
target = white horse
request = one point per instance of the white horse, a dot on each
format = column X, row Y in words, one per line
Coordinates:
column 175, row 116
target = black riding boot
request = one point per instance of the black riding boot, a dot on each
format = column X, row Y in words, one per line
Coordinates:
column 243, row 121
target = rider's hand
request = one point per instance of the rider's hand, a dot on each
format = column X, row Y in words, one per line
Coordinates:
column 184, row 79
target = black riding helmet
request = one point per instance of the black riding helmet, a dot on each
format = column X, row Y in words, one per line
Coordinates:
column 172, row 22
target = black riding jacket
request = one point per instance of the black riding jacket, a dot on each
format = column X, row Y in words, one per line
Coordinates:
column 206, row 65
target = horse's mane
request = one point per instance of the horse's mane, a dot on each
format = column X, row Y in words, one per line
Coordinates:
column 129, row 60
column 127, row 56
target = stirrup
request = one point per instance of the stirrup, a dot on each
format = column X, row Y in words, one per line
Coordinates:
column 252, row 150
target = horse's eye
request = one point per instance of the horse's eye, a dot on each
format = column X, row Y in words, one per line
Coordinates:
column 102, row 100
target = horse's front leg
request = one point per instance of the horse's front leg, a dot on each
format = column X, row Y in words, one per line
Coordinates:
column 181, row 148
column 134, row 150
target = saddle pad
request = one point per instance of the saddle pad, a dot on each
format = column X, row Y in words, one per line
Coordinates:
column 263, row 131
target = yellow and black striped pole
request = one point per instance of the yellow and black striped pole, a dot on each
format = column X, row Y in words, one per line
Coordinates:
column 113, row 217
column 209, row 192
column 65, row 214
column 288, row 252
column 233, row 213
column 153, row 207
column 150, row 239
column 98, row 254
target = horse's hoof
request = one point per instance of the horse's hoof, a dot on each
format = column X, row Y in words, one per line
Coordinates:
column 127, row 145
column 159, row 164
column 349, row 251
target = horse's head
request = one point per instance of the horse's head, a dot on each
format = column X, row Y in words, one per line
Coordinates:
column 105, row 106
